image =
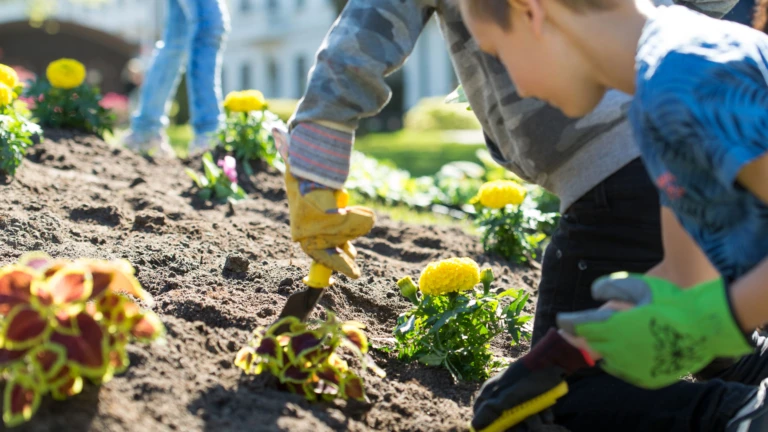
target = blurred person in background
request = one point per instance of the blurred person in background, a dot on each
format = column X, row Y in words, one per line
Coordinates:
column 193, row 40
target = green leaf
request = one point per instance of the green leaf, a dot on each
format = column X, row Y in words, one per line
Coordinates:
column 509, row 293
column 198, row 180
column 433, row 359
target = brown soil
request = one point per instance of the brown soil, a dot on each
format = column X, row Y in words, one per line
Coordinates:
column 216, row 273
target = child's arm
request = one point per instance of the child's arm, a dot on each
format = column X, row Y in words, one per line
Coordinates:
column 684, row 264
column 721, row 122
column 749, row 294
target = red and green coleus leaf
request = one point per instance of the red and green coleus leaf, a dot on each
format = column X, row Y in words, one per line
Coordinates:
column 87, row 350
column 119, row 312
column 295, row 374
column 354, row 336
column 61, row 377
column 38, row 261
column 293, row 324
column 16, row 286
column 9, row 357
column 147, row 327
column 68, row 289
column 42, row 263
column 244, row 359
column 352, row 387
column 329, row 374
column 270, row 348
column 72, row 386
column 304, row 344
column 47, row 360
column 23, row 328
column 22, row 398
column 116, row 277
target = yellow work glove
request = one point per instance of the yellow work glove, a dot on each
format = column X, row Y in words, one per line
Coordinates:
column 323, row 223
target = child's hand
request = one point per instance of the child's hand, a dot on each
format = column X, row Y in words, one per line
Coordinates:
column 670, row 332
column 321, row 220
column 581, row 343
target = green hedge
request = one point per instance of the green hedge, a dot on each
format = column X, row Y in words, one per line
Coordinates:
column 419, row 153
column 434, row 114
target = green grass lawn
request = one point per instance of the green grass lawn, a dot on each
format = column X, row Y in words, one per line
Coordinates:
column 420, row 153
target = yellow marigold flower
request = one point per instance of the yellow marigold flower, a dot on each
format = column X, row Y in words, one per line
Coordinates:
column 498, row 194
column 65, row 73
column 8, row 76
column 254, row 100
column 233, row 101
column 451, row 275
column 6, row 95
column 244, row 101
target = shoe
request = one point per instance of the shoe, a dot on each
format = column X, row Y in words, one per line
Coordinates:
column 202, row 143
column 753, row 417
column 153, row 144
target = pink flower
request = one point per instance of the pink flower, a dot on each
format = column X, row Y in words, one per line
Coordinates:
column 229, row 166
column 114, row 101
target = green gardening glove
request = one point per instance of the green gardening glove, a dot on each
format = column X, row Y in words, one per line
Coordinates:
column 669, row 333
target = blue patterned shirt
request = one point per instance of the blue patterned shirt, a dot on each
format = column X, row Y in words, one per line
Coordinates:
column 700, row 114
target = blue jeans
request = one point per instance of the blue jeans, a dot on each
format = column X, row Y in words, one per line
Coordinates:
column 195, row 32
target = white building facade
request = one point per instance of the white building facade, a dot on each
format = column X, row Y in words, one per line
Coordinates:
column 271, row 47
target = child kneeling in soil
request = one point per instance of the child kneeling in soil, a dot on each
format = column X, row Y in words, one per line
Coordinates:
column 700, row 117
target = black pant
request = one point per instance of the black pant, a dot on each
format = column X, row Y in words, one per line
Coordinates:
column 616, row 227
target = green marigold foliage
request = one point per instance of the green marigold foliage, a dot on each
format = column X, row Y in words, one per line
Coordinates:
column 76, row 108
column 455, row 330
column 16, row 132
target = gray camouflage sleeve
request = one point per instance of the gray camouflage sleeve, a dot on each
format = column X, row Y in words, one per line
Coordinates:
column 713, row 8
column 370, row 40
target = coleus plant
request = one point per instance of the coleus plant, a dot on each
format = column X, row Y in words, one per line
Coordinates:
column 307, row 360
column 219, row 181
column 452, row 323
column 63, row 321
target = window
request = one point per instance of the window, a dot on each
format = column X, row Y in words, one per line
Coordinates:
column 301, row 75
column 245, row 76
column 273, row 73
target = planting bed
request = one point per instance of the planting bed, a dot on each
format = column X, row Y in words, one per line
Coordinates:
column 216, row 273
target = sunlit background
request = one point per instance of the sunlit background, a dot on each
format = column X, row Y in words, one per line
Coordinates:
column 271, row 48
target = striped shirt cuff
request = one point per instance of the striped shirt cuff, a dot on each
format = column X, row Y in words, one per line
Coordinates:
column 320, row 154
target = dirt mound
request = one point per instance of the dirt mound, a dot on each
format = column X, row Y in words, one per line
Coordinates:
column 216, row 273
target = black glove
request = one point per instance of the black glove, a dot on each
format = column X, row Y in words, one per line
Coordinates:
column 527, row 387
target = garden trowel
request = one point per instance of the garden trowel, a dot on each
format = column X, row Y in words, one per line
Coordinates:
column 301, row 304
